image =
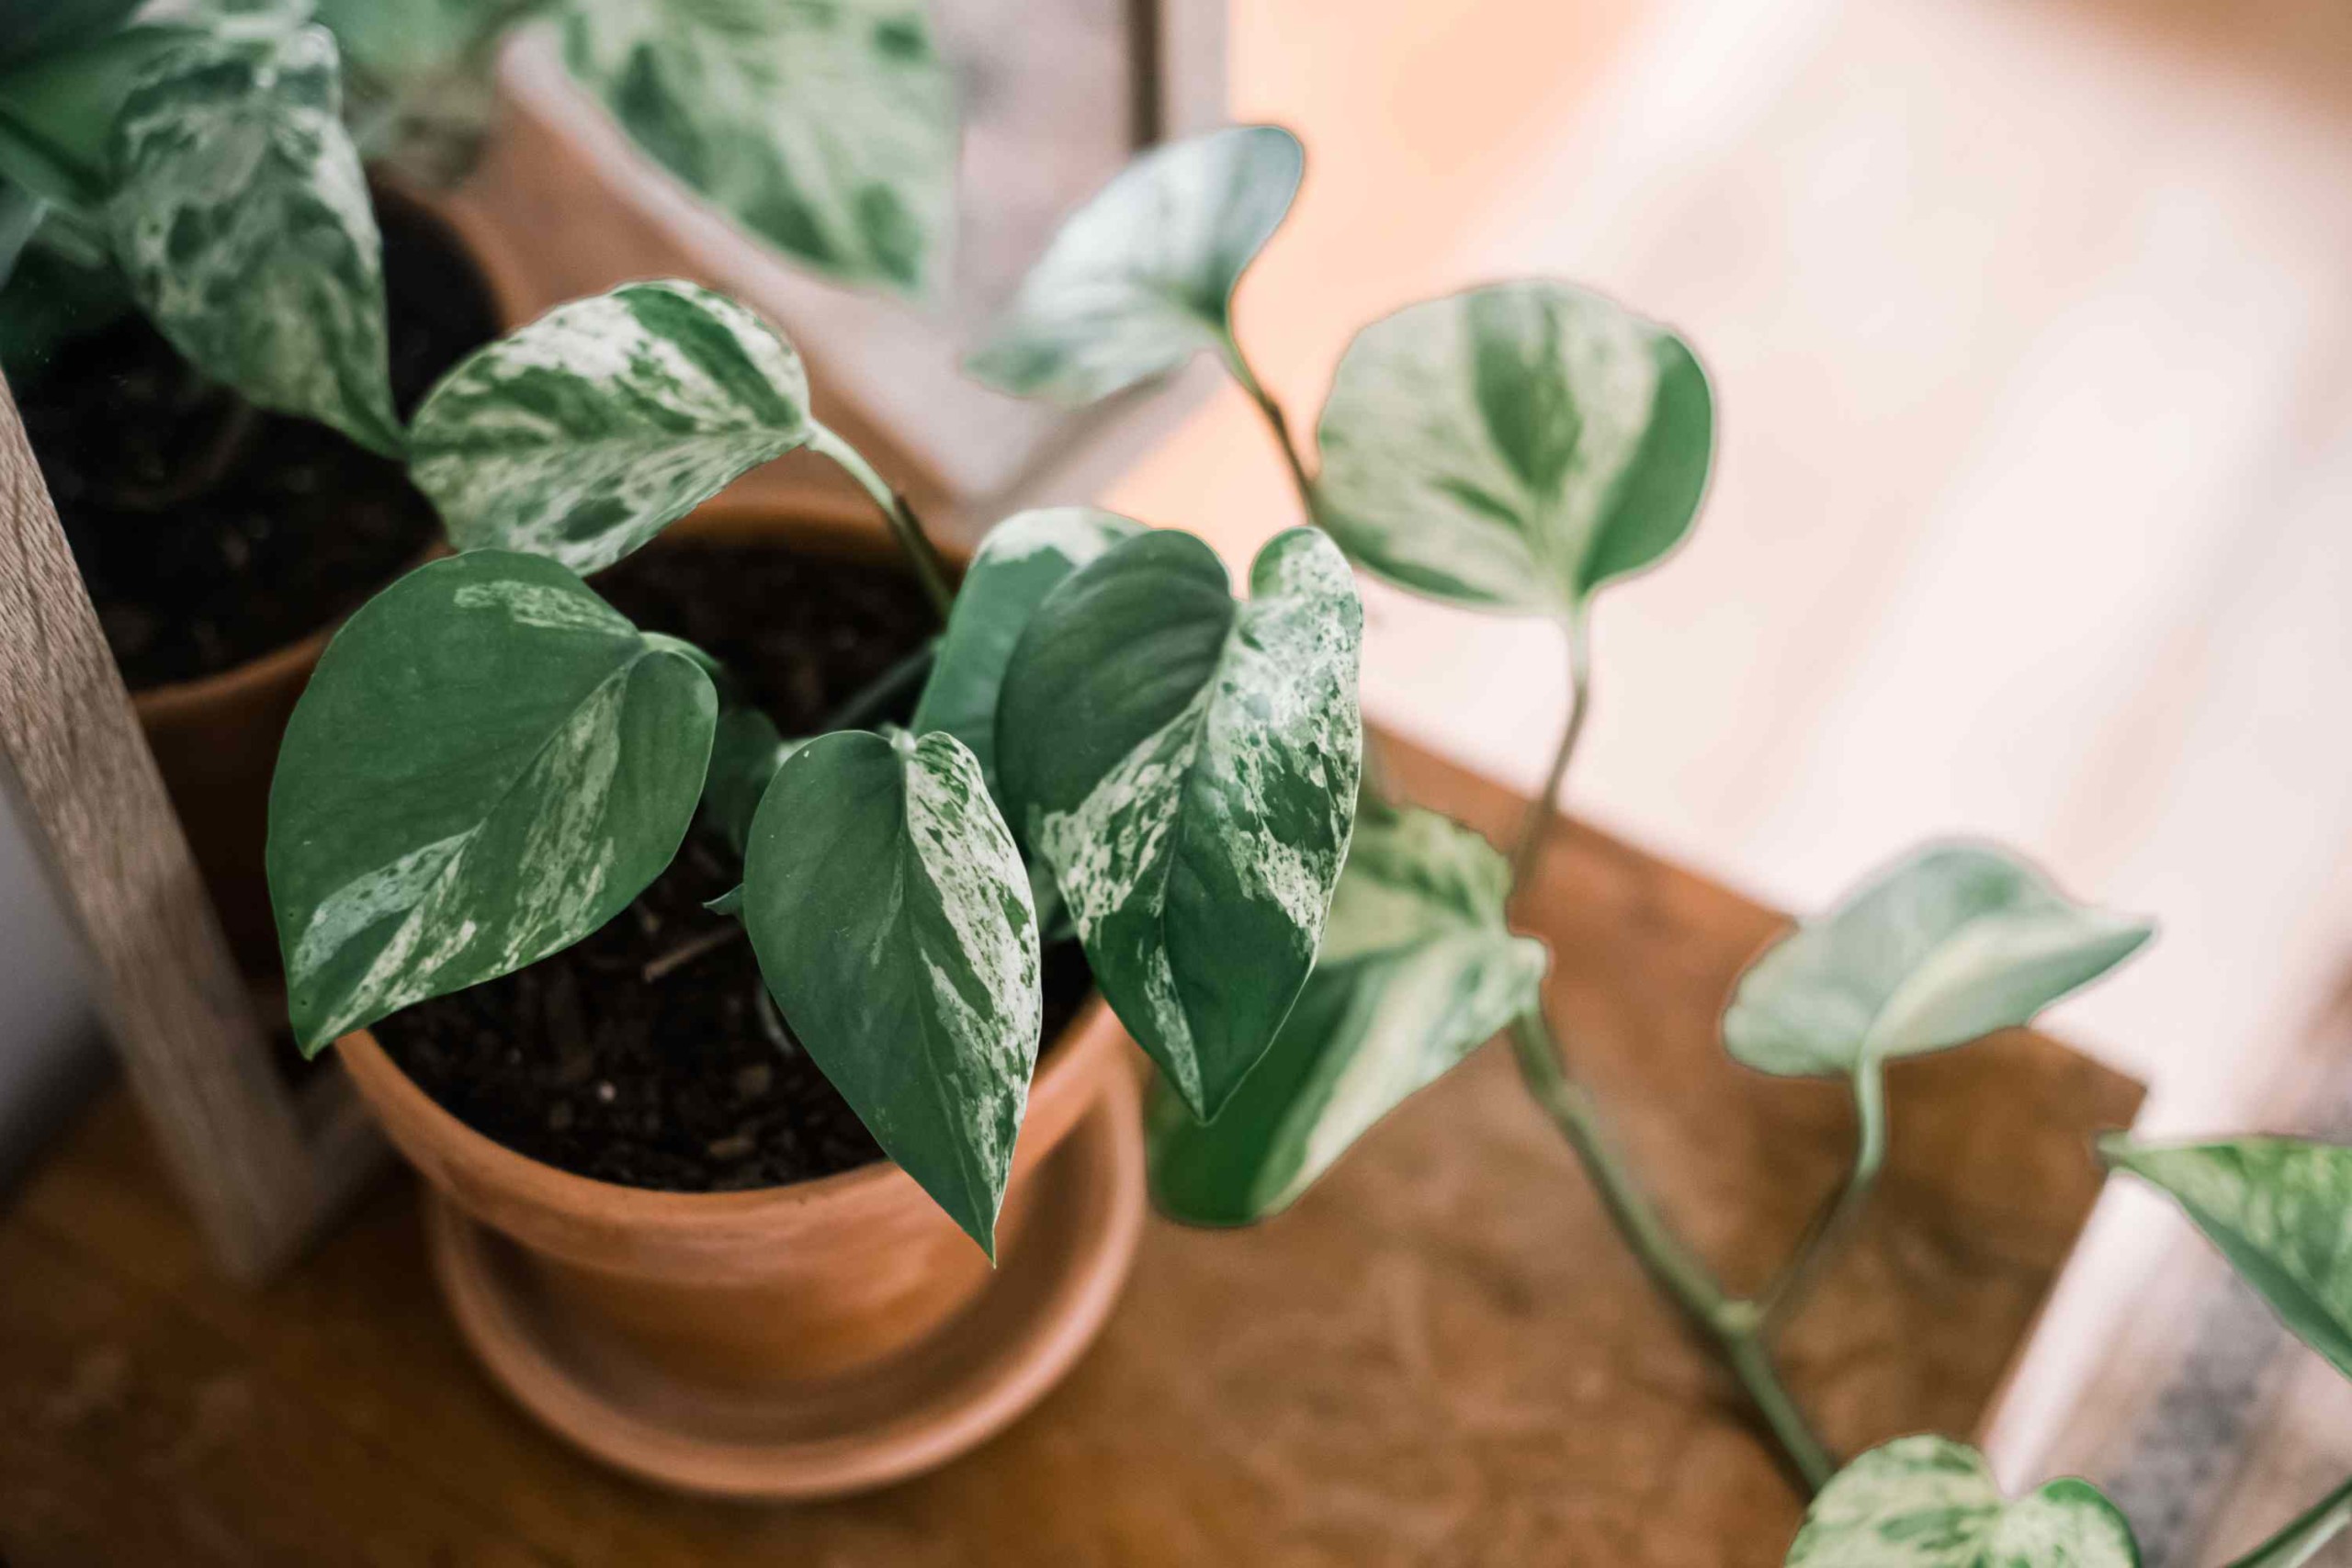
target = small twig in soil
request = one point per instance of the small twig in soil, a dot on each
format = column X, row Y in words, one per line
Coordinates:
column 772, row 1023
column 686, row 951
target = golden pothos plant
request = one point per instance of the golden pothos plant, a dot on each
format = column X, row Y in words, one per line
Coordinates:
column 1514, row 448
column 1108, row 742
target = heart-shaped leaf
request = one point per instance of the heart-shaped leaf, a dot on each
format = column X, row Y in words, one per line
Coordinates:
column 1932, row 1502
column 240, row 218
column 1417, row 970
column 1141, row 277
column 1022, row 560
column 828, row 130
column 585, row 434
column 1953, row 942
column 1188, row 767
column 1514, row 448
column 891, row 917
column 489, row 764
column 2275, row 1207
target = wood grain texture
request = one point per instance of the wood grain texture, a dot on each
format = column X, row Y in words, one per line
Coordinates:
column 171, row 996
column 1439, row 1355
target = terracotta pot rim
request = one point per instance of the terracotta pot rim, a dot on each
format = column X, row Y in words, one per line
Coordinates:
column 1078, row 1056
column 486, row 250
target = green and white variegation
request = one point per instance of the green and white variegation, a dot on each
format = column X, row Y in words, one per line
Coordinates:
column 1022, row 558
column 1141, row 277
column 1188, row 768
column 583, row 434
column 489, row 764
column 1514, row 448
column 1932, row 1502
column 2281, row 1211
column 1951, row 942
column 1415, row 971
column 240, row 218
column 891, row 915
column 827, row 128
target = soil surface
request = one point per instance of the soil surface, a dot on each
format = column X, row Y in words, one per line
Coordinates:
column 691, row 1080
column 211, row 532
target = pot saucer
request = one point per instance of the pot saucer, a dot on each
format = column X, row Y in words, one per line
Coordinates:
column 1052, row 1289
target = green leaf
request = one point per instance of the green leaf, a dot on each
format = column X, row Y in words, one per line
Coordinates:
column 1514, row 448
column 827, row 130
column 891, row 917
column 239, row 217
column 58, row 109
column 29, row 29
column 2275, row 1207
column 1188, row 768
column 61, row 287
column 1950, row 944
column 1417, row 970
column 1141, row 277
column 1932, row 1502
column 585, row 434
column 489, row 764
column 1022, row 558
column 20, row 216
column 744, row 757
column 2300, row 1541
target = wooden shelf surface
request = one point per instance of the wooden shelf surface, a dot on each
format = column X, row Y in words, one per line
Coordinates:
column 1442, row 1355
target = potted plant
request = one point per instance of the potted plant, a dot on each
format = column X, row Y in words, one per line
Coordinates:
column 214, row 344
column 826, row 131
column 491, row 762
column 1511, row 449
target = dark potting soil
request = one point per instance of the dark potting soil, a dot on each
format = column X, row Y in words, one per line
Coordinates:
column 209, row 533
column 650, row 1055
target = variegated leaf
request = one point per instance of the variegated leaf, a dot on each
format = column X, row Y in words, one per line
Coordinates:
column 1021, row 560
column 2280, row 1210
column 1415, row 971
column 827, row 130
column 239, row 217
column 1932, row 1502
column 58, row 108
column 1514, row 448
column 891, row 917
column 489, row 764
column 1951, row 942
column 1188, row 767
column 1141, row 277
column 585, row 434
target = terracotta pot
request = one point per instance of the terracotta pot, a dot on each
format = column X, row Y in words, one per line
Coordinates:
column 216, row 737
column 795, row 1341
column 730, row 1290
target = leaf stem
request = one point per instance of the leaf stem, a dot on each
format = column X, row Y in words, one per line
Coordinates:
column 1835, row 1220
column 2300, row 1540
column 1239, row 364
column 1735, row 1327
column 1529, row 849
column 904, row 524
